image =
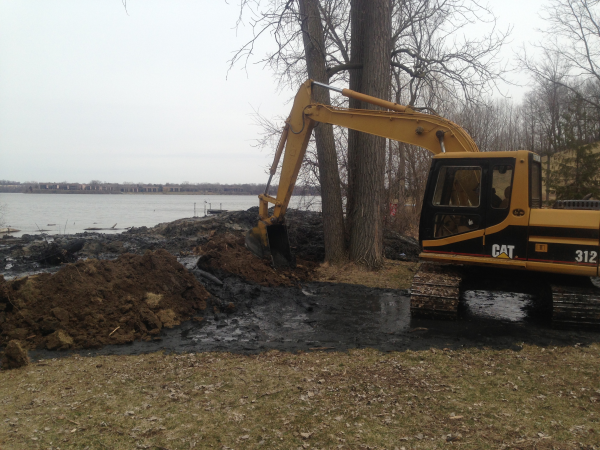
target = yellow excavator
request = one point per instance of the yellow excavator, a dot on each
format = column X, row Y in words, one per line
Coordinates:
column 480, row 208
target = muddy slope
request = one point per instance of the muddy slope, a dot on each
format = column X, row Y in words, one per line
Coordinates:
column 93, row 303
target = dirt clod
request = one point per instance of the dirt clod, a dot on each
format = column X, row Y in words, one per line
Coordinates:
column 153, row 300
column 14, row 356
column 168, row 318
column 59, row 340
column 61, row 314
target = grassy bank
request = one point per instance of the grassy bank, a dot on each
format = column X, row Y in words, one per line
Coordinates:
column 393, row 274
column 536, row 398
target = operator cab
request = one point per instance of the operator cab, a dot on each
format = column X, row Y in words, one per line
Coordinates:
column 477, row 205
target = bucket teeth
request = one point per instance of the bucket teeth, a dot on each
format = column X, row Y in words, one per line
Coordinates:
column 576, row 307
column 435, row 292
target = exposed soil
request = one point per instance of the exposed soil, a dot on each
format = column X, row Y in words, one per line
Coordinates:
column 114, row 283
column 227, row 254
column 93, row 303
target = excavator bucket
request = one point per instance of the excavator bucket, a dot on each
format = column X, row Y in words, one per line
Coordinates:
column 279, row 245
column 257, row 242
column 272, row 240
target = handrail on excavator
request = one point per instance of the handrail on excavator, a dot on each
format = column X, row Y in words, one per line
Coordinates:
column 432, row 132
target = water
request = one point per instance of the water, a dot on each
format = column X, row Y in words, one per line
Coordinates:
column 509, row 306
column 72, row 213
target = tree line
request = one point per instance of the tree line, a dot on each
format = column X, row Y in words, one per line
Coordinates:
column 420, row 53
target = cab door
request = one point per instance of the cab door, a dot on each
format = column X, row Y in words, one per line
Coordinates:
column 453, row 214
column 508, row 209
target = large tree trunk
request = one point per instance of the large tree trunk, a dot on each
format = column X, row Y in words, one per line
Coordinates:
column 367, row 154
column 357, row 18
column 329, row 177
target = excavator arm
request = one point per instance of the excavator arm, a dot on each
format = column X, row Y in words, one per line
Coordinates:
column 399, row 123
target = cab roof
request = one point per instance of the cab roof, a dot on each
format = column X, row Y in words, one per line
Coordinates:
column 471, row 155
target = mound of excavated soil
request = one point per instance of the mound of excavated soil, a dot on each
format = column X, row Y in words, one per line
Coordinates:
column 94, row 303
column 226, row 253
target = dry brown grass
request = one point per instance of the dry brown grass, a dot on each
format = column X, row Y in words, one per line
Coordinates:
column 474, row 399
column 393, row 274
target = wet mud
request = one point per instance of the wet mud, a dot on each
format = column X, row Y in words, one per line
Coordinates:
column 31, row 254
column 252, row 308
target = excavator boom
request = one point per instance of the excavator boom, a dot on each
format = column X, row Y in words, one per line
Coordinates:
column 400, row 123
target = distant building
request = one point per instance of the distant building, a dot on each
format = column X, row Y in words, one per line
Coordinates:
column 129, row 188
column 115, row 188
column 151, row 188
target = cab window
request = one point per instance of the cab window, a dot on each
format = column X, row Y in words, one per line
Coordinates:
column 458, row 187
column 501, row 186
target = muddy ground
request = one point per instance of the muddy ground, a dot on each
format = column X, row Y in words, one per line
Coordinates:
column 30, row 254
column 249, row 306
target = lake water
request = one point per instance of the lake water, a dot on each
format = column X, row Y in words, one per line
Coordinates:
column 75, row 212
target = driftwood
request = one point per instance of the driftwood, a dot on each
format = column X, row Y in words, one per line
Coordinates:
column 208, row 276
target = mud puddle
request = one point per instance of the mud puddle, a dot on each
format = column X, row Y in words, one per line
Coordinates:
column 503, row 306
column 337, row 317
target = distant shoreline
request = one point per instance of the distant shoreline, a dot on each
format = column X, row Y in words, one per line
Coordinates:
column 152, row 189
column 124, row 193
column 145, row 193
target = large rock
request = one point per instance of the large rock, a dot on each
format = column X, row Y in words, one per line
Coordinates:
column 168, row 318
column 14, row 356
column 59, row 340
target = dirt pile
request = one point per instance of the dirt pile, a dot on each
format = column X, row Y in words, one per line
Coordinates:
column 93, row 303
column 227, row 253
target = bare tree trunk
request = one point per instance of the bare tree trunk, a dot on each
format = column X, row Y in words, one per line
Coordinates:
column 368, row 155
column 329, row 177
column 401, row 177
column 390, row 182
column 357, row 17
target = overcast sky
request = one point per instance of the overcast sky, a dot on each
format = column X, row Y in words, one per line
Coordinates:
column 90, row 92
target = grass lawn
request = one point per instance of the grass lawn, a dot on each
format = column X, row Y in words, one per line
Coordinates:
column 393, row 274
column 536, row 398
